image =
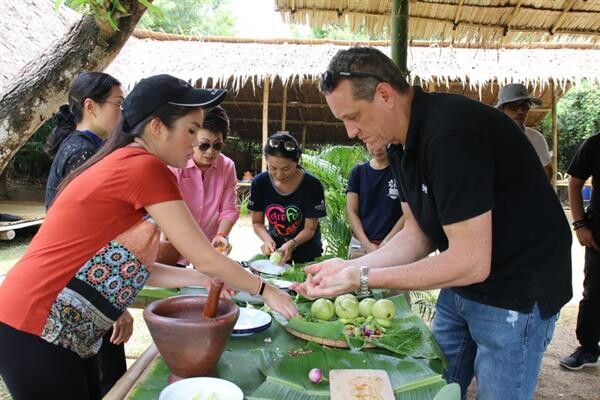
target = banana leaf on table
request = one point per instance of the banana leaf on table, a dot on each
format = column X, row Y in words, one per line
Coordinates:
column 408, row 334
column 287, row 376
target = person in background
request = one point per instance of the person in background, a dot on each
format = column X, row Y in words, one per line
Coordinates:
column 514, row 100
column 471, row 187
column 373, row 202
column 90, row 258
column 291, row 199
column 208, row 186
column 586, row 163
column 81, row 127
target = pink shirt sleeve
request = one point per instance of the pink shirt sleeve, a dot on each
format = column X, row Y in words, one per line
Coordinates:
column 228, row 209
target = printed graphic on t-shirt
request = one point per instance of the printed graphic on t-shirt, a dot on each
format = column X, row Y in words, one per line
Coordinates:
column 285, row 220
column 393, row 189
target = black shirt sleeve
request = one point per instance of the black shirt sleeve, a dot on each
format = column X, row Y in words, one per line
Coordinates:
column 256, row 202
column 354, row 180
column 76, row 159
column 461, row 171
column 582, row 165
column 315, row 202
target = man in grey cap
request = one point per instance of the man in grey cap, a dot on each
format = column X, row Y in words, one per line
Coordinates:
column 515, row 101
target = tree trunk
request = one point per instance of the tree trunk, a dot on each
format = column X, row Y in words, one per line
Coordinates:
column 43, row 84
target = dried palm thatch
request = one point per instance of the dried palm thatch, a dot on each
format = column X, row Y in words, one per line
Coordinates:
column 242, row 65
column 491, row 22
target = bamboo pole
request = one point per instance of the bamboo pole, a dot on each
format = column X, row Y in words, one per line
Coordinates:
column 284, row 107
column 304, row 128
column 265, row 120
column 400, row 34
column 554, row 135
column 131, row 377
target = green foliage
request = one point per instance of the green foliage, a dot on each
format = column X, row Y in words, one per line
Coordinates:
column 190, row 17
column 104, row 10
column 338, row 32
column 423, row 302
column 31, row 160
column 578, row 118
column 332, row 166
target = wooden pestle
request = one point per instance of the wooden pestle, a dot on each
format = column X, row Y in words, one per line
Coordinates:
column 212, row 302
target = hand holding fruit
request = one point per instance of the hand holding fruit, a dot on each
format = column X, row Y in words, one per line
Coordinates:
column 221, row 244
column 286, row 251
column 268, row 247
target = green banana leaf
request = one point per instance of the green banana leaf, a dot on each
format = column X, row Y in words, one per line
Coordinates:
column 287, row 376
column 408, row 335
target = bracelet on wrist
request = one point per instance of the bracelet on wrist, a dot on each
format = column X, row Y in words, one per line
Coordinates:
column 579, row 224
column 260, row 288
column 223, row 235
column 295, row 243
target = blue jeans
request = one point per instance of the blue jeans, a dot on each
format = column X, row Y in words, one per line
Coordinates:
column 503, row 349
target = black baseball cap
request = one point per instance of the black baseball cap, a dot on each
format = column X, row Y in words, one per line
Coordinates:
column 151, row 93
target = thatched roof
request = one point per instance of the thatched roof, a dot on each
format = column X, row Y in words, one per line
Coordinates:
column 490, row 21
column 28, row 29
column 241, row 65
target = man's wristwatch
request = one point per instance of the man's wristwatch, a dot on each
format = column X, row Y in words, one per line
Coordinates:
column 364, row 282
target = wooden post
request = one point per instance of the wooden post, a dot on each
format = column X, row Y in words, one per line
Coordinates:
column 431, row 86
column 554, row 135
column 399, row 39
column 284, row 107
column 265, row 120
column 304, row 137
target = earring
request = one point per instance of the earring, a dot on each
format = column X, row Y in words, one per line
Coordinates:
column 94, row 114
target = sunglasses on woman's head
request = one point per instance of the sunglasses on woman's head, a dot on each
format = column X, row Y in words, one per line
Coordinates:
column 330, row 79
column 288, row 145
column 218, row 146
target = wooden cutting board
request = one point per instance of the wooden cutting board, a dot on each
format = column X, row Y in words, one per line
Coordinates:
column 360, row 384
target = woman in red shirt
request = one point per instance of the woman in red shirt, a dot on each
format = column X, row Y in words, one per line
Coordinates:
column 97, row 247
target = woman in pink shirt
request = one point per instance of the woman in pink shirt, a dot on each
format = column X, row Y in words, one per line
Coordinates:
column 208, row 186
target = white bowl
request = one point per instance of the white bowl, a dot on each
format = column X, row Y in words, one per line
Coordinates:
column 202, row 388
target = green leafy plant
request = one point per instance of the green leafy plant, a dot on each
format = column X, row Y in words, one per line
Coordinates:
column 332, row 166
column 105, row 10
column 423, row 303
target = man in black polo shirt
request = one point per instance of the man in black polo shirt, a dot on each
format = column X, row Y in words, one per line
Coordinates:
column 586, row 163
column 473, row 188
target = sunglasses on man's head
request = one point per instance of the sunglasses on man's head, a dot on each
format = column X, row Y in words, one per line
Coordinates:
column 330, row 79
column 288, row 145
column 218, row 146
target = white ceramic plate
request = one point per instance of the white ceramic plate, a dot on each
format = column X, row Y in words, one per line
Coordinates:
column 267, row 267
column 202, row 388
column 250, row 322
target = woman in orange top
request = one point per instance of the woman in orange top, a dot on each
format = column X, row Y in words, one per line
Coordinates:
column 97, row 247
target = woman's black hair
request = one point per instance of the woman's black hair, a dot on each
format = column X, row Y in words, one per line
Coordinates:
column 281, row 149
column 87, row 85
column 217, row 121
column 124, row 135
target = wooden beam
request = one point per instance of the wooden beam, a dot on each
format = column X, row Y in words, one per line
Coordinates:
column 276, row 122
column 294, row 104
column 284, row 108
column 562, row 16
column 554, row 136
column 511, row 17
column 458, row 12
column 399, row 36
column 265, row 120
